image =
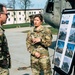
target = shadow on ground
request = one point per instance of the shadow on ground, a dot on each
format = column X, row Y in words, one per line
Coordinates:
column 40, row 73
column 26, row 74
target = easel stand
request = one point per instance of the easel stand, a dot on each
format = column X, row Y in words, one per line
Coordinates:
column 64, row 57
column 59, row 71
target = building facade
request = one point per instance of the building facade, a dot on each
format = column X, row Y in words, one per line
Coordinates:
column 18, row 15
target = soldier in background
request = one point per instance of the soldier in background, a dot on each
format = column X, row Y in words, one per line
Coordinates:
column 31, row 20
column 4, row 53
column 38, row 40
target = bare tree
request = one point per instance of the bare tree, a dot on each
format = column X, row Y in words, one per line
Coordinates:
column 11, row 4
column 24, row 4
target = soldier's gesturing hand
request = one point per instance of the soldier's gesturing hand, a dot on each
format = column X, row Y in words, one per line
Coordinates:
column 37, row 54
column 36, row 40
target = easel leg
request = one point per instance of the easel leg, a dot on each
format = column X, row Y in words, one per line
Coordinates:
column 74, row 70
column 54, row 73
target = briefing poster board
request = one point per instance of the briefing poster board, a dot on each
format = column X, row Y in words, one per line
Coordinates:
column 65, row 45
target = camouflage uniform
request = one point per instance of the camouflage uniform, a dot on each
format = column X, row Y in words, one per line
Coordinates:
column 4, row 54
column 42, row 63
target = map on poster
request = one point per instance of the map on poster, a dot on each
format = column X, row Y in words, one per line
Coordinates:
column 65, row 45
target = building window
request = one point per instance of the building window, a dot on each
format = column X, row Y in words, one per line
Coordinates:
column 19, row 18
column 8, row 13
column 14, row 13
column 24, row 12
column 39, row 12
column 19, row 13
column 8, row 19
column 25, row 18
column 29, row 12
column 34, row 12
column 14, row 19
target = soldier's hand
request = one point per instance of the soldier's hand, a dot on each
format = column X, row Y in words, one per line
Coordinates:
column 36, row 40
column 37, row 54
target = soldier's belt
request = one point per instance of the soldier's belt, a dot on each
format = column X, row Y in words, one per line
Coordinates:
column 36, row 46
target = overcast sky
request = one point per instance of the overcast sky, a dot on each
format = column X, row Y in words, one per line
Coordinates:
column 35, row 3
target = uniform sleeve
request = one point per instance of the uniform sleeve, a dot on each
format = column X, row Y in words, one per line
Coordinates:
column 1, row 38
column 46, row 38
column 30, row 45
column 5, row 46
column 5, row 52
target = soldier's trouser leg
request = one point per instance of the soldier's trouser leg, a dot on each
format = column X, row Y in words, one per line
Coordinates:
column 35, row 72
column 4, row 71
column 35, row 66
column 45, row 64
column 35, row 69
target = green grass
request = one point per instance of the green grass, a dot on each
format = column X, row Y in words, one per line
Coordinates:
column 16, row 25
column 53, row 30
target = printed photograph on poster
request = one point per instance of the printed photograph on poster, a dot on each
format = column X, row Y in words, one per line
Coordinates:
column 66, row 64
column 62, row 33
column 73, row 23
column 72, row 36
column 70, row 50
column 57, row 59
column 60, row 45
column 65, row 22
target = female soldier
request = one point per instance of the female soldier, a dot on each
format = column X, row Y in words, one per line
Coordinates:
column 38, row 40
